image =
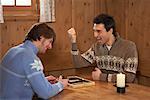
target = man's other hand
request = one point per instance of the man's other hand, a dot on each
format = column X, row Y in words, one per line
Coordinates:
column 96, row 74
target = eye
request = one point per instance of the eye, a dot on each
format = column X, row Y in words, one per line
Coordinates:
column 98, row 31
column 51, row 41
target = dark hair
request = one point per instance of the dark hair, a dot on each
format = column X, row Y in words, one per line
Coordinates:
column 38, row 30
column 108, row 22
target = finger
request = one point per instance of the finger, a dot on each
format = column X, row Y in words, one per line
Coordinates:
column 60, row 77
column 71, row 31
column 93, row 74
column 96, row 68
column 51, row 77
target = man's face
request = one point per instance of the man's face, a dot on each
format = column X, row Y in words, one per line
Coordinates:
column 100, row 33
column 45, row 44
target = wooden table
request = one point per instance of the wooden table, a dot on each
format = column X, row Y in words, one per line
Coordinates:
column 101, row 90
column 104, row 91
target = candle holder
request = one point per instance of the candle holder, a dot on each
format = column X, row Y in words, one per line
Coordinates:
column 121, row 89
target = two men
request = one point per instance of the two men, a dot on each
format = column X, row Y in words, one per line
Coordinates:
column 21, row 71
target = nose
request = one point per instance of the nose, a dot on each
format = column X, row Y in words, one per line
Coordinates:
column 50, row 46
column 95, row 33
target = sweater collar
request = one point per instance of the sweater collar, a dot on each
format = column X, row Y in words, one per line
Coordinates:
column 117, row 39
column 30, row 45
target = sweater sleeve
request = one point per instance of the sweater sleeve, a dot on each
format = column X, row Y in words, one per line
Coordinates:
column 103, row 77
column 81, row 60
column 131, row 63
column 37, row 80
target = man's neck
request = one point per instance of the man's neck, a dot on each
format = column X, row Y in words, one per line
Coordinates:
column 111, row 40
column 36, row 43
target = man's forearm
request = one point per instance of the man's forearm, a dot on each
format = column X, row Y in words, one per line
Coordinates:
column 77, row 59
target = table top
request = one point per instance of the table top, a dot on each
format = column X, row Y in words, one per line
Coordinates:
column 104, row 91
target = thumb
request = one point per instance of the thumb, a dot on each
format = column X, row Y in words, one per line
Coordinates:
column 60, row 77
column 96, row 68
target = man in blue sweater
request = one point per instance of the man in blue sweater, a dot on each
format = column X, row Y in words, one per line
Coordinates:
column 21, row 71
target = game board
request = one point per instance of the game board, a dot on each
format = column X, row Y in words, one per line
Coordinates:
column 76, row 82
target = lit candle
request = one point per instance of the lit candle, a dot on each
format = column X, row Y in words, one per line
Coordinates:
column 120, row 80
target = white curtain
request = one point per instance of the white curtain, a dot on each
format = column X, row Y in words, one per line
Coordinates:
column 1, row 13
column 47, row 10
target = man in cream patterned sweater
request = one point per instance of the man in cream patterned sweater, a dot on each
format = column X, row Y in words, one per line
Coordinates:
column 110, row 53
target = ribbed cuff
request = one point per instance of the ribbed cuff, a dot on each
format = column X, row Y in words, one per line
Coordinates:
column 75, row 52
column 109, row 77
column 74, row 47
column 103, row 77
column 113, row 78
column 60, row 85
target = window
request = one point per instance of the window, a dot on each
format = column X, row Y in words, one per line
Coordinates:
column 23, row 2
column 16, row 2
column 20, row 8
column 8, row 2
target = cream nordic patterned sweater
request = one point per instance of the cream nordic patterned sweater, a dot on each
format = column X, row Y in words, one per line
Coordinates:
column 122, row 57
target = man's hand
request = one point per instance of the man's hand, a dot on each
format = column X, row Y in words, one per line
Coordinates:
column 52, row 79
column 96, row 74
column 63, row 81
column 72, row 35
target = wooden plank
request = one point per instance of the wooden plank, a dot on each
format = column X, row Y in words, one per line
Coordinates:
column 117, row 8
column 83, row 22
column 138, row 29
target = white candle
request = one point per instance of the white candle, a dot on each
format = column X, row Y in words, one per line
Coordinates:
column 120, row 80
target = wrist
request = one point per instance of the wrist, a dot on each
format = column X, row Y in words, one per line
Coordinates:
column 75, row 52
column 109, row 77
column 74, row 47
column 73, row 40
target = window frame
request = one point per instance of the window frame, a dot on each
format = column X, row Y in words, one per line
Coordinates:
column 22, row 11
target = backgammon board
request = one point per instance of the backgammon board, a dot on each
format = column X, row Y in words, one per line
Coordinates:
column 76, row 82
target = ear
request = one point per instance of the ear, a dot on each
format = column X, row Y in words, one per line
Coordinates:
column 111, row 31
column 41, row 38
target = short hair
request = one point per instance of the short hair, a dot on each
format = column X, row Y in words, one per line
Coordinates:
column 108, row 22
column 38, row 30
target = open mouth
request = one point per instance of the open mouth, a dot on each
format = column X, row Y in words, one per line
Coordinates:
column 99, row 39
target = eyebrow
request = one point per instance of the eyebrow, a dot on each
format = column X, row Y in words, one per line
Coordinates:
column 97, row 30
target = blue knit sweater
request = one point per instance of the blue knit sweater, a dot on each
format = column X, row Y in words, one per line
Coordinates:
column 21, row 75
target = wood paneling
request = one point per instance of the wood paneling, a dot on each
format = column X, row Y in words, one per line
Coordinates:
column 138, row 31
column 69, row 13
column 59, row 57
column 117, row 9
column 13, row 33
column 83, row 14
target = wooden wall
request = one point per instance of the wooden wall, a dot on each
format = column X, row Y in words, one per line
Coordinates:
column 132, row 17
column 76, row 13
